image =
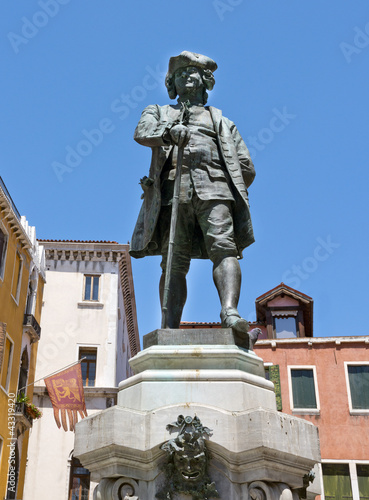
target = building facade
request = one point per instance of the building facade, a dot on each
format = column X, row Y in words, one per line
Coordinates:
column 22, row 279
column 89, row 313
column 324, row 380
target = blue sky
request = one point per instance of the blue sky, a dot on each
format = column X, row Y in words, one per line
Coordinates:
column 293, row 76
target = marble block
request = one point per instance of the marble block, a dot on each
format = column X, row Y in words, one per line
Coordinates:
column 254, row 449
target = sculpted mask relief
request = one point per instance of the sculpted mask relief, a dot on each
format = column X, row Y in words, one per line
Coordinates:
column 187, row 461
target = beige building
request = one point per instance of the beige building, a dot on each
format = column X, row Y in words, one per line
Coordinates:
column 89, row 312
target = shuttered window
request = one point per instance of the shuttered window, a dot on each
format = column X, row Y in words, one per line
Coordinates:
column 359, row 386
column 337, row 483
column 363, row 480
column 303, row 388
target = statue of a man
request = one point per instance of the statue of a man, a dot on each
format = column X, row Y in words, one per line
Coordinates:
column 213, row 214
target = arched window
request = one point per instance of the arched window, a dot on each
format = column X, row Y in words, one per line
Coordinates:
column 79, row 482
column 32, row 293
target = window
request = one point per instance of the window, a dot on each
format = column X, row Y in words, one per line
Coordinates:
column 358, row 386
column 337, row 482
column 23, row 372
column 285, row 327
column 362, row 471
column 88, row 366
column 3, row 248
column 79, row 481
column 7, row 364
column 91, row 288
column 303, row 389
column 17, row 276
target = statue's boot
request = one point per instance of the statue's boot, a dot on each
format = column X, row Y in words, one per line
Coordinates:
column 231, row 319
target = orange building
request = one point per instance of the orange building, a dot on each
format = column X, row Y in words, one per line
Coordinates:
column 22, row 279
column 324, row 380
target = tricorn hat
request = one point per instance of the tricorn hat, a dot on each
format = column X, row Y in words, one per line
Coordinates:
column 187, row 58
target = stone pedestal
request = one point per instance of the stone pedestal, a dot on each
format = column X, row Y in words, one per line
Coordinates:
column 254, row 451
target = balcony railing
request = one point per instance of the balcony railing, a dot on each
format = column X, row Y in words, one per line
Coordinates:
column 32, row 327
column 22, row 415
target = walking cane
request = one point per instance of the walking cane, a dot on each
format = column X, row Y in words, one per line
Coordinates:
column 173, row 223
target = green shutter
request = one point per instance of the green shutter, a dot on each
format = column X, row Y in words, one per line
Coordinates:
column 337, row 484
column 275, row 378
column 359, row 386
column 303, row 388
column 363, row 480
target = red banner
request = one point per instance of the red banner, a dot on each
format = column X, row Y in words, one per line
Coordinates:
column 66, row 393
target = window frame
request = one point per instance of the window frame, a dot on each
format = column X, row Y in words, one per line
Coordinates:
column 23, row 371
column 9, row 367
column 88, row 349
column 285, row 313
column 303, row 411
column 74, row 464
column 4, row 252
column 353, row 474
column 19, row 280
column 337, row 463
column 354, row 411
column 91, row 300
column 284, row 316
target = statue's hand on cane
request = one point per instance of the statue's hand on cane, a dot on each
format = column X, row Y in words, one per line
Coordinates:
column 180, row 135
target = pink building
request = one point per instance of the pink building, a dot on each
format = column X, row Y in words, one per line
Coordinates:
column 324, row 380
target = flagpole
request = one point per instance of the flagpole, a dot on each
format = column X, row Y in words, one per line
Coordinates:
column 46, row 376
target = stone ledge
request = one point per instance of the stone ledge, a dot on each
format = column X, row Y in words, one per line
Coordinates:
column 197, row 357
column 197, row 336
column 231, row 390
column 258, row 443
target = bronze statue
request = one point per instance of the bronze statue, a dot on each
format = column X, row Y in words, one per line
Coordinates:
column 211, row 205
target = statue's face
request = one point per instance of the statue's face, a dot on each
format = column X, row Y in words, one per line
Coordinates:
column 189, row 466
column 187, row 80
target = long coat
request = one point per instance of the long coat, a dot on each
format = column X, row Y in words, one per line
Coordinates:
column 151, row 131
